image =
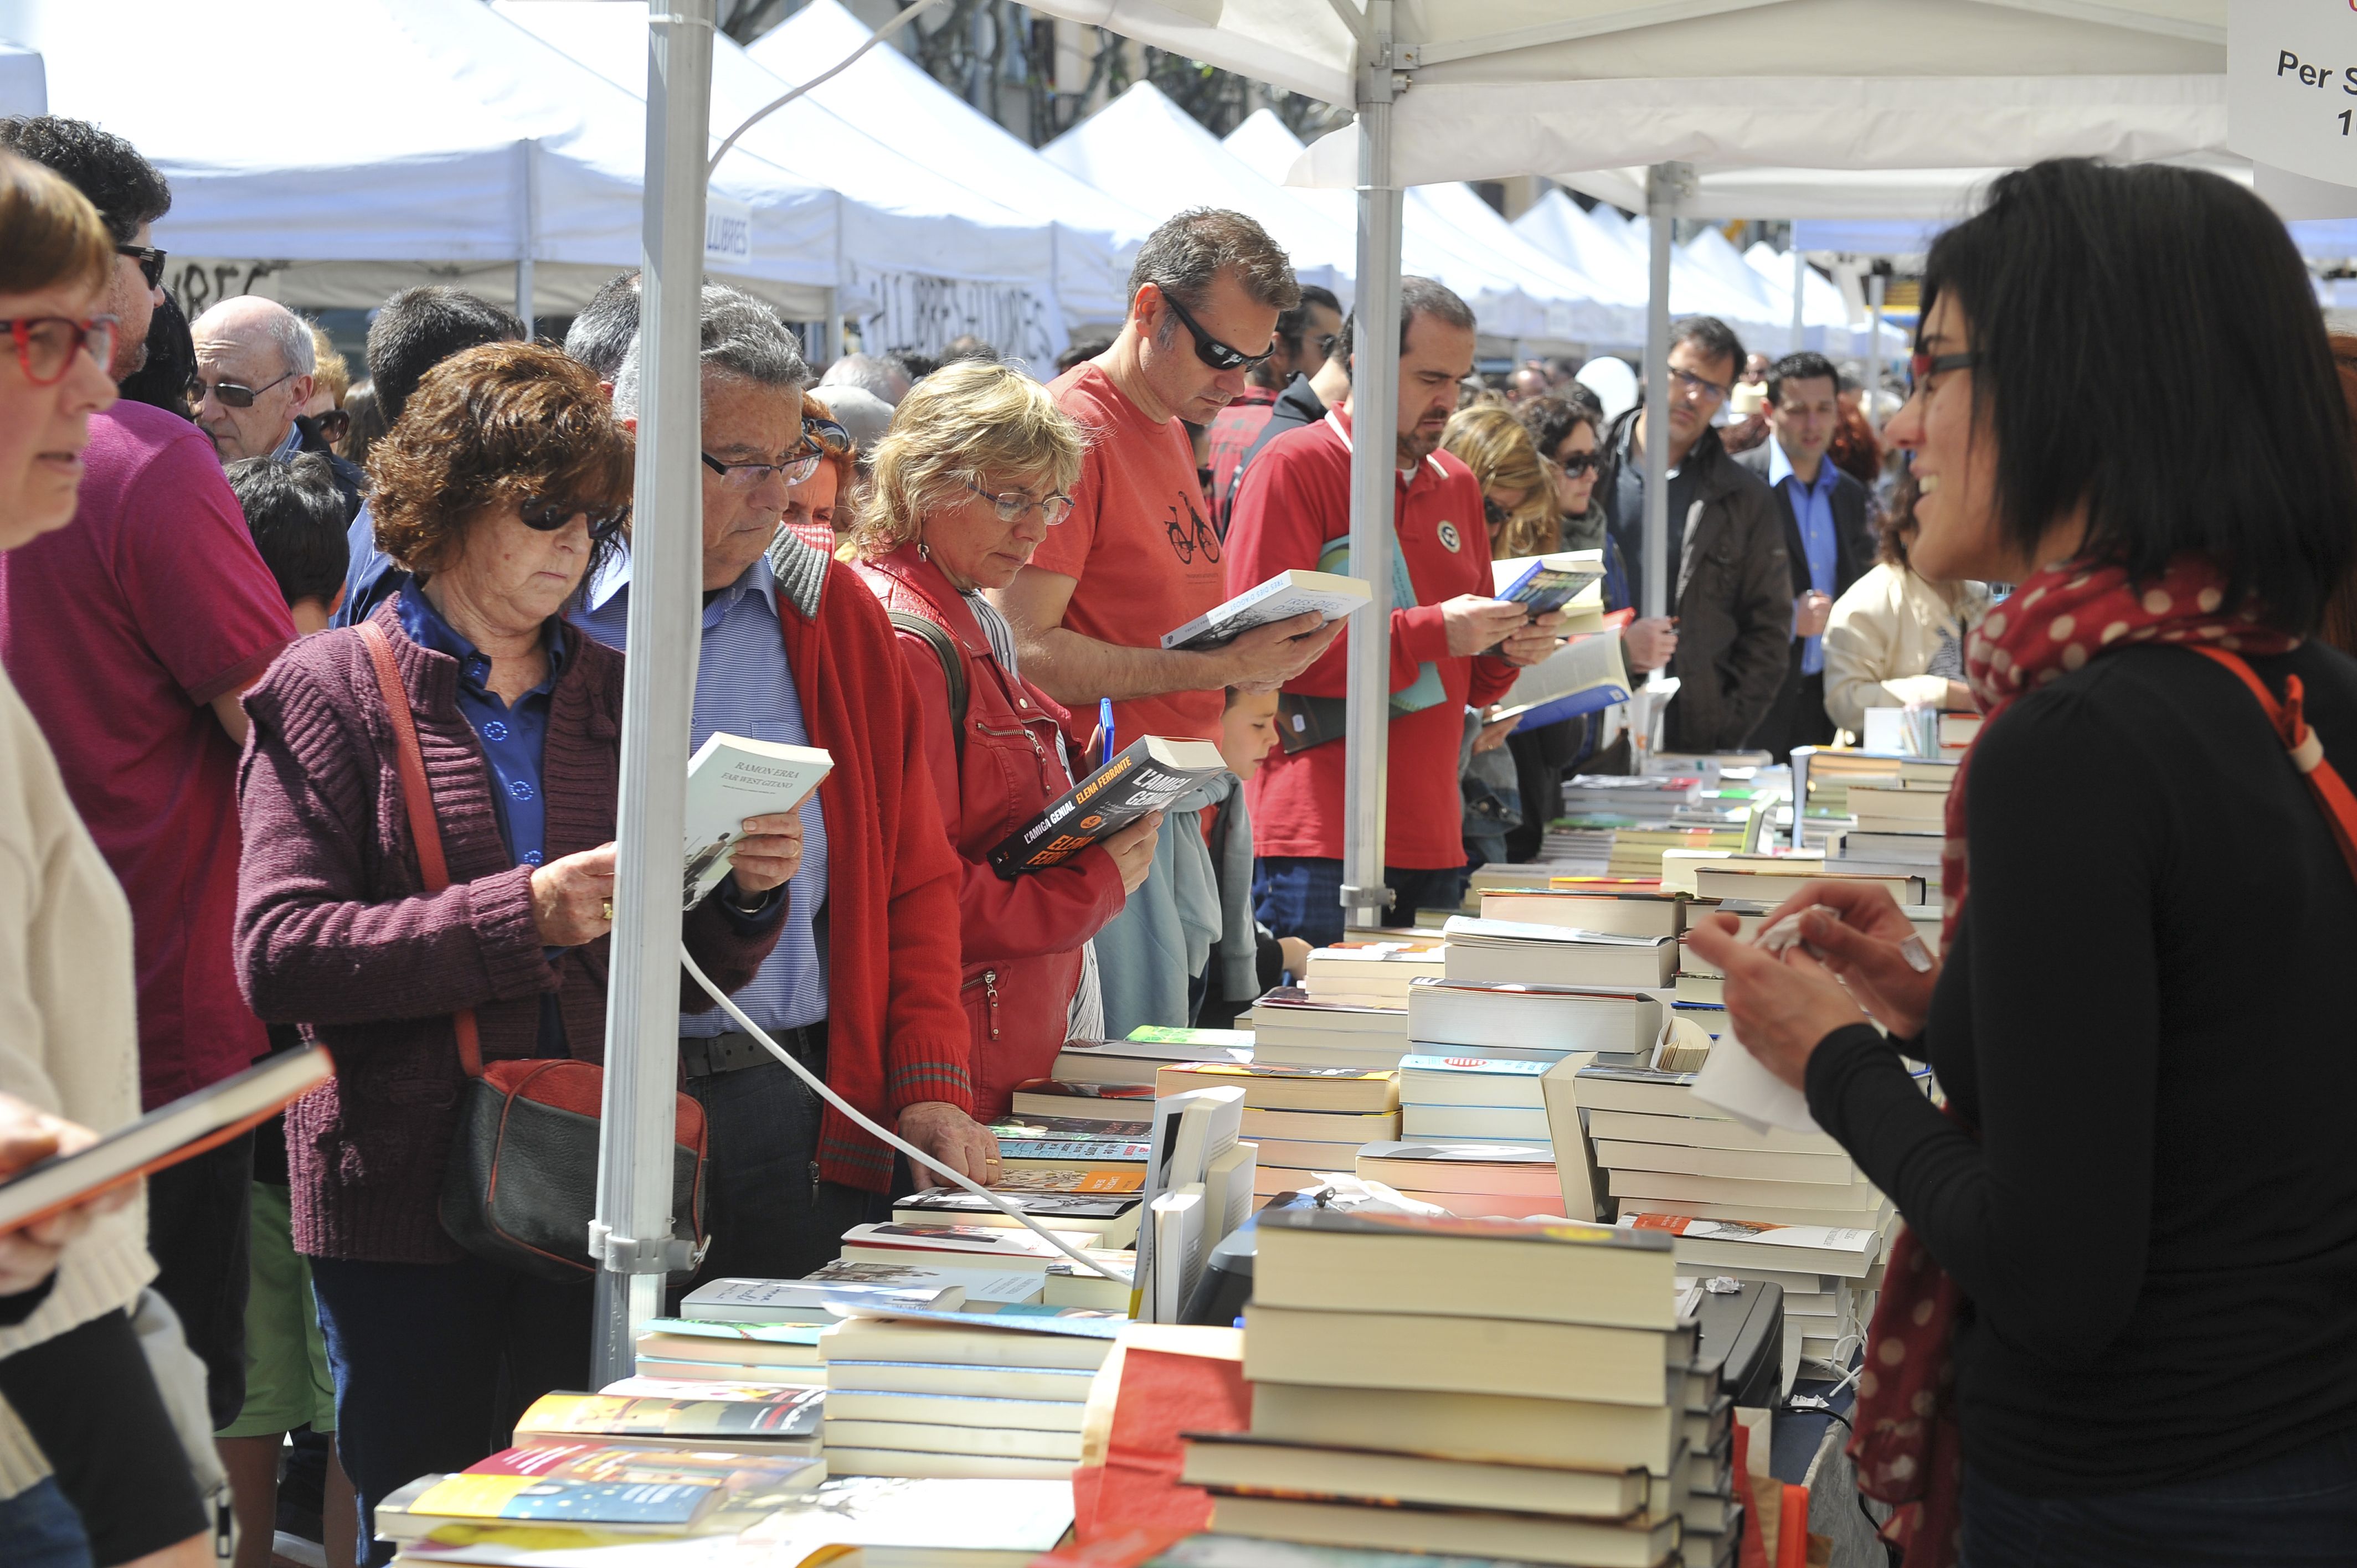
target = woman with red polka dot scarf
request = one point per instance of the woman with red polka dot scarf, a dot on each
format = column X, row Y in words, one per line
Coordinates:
column 2117, row 1327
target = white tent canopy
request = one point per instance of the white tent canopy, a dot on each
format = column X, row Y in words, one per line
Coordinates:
column 24, row 85
column 895, row 101
column 907, row 236
column 501, row 150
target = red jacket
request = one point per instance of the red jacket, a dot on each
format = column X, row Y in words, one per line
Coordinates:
column 1294, row 501
column 1021, row 938
column 895, row 1033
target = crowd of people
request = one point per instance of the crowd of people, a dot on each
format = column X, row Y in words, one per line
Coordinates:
column 310, row 732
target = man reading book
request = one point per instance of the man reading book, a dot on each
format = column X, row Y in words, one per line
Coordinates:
column 1138, row 555
column 1452, row 644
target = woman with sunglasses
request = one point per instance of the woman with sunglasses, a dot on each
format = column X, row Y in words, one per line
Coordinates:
column 973, row 472
column 2116, row 1329
column 117, row 1486
column 505, row 481
column 818, row 507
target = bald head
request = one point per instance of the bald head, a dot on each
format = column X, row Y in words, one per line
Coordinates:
column 254, row 364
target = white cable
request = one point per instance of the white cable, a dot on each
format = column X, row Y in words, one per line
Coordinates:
column 1103, row 1271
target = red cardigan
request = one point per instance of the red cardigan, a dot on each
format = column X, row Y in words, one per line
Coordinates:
column 895, row 1031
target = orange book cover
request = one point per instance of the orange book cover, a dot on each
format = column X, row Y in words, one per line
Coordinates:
column 1163, row 1393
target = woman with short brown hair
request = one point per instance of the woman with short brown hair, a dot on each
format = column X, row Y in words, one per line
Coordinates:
column 504, row 482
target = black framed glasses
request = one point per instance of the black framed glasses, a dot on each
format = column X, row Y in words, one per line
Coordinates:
column 819, row 437
column 1579, row 463
column 1923, row 367
column 46, row 344
column 230, row 394
column 1014, row 506
column 546, row 514
column 150, row 260
column 1699, row 389
column 1213, row 353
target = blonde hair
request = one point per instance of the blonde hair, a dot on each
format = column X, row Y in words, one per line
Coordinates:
column 1493, row 444
column 55, row 236
column 969, row 422
column 331, row 372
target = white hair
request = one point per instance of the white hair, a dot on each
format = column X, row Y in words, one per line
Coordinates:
column 272, row 322
column 740, row 336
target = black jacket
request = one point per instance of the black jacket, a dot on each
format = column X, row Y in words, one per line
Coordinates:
column 1734, row 599
column 1854, row 545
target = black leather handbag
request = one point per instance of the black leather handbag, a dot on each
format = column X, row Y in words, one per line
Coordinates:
column 521, row 1184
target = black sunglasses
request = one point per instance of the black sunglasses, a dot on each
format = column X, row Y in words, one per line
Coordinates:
column 230, row 394
column 1579, row 463
column 546, row 514
column 150, row 260
column 1213, row 353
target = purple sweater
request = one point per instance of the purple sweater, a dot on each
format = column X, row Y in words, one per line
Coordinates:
column 336, row 932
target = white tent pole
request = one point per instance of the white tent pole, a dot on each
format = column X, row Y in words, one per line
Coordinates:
column 1374, row 395
column 631, row 1234
column 1660, row 219
column 528, row 150
column 1800, row 292
column 1875, row 284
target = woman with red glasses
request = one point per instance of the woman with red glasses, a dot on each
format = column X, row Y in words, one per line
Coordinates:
column 72, row 1369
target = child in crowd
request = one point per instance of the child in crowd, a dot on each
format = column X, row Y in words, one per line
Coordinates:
column 1247, row 732
column 296, row 514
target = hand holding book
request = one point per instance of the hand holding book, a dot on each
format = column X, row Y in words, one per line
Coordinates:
column 28, row 1255
column 770, row 852
column 1266, row 657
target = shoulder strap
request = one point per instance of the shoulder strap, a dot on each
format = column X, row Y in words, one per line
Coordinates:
column 417, row 799
column 953, row 667
column 2306, row 752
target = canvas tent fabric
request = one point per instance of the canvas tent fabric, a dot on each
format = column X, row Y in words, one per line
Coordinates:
column 893, row 99
column 920, row 258
column 503, row 148
column 24, row 84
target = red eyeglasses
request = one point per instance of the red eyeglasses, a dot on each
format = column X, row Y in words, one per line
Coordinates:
column 46, row 344
column 1922, row 366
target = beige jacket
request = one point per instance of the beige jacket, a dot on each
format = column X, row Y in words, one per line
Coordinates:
column 69, row 1039
column 1882, row 638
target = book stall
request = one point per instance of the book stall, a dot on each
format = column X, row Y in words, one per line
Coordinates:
column 1484, row 1243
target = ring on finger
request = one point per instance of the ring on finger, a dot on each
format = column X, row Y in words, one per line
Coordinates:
column 606, row 911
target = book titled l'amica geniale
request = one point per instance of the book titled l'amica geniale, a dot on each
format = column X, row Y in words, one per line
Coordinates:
column 1147, row 776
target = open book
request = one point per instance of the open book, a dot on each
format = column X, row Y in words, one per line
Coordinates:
column 730, row 778
column 1283, row 596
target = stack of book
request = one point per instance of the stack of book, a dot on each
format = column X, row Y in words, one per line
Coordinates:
column 1509, row 1019
column 1771, row 879
column 623, row 1490
column 928, row 1394
column 1368, row 975
column 767, row 1355
column 1301, row 1121
column 1473, row 1100
column 1660, row 1151
column 1643, row 797
column 1479, row 1388
column 1109, row 1218
column 1700, row 983
column 1898, row 821
column 1292, row 1029
column 1827, row 776
column 1649, row 912
column 1535, row 954
column 995, row 1248
column 1476, row 1180
column 657, row 1413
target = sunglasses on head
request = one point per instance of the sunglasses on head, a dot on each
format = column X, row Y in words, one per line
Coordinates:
column 1213, row 353
column 150, row 260
column 46, row 344
column 546, row 514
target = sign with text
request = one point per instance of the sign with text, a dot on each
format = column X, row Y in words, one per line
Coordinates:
column 727, row 231
column 2291, row 85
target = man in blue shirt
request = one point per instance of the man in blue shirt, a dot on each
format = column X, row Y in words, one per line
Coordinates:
column 1828, row 536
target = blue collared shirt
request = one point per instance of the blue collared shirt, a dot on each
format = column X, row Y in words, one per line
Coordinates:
column 370, row 578
column 292, row 444
column 745, row 686
column 1813, row 506
column 514, row 737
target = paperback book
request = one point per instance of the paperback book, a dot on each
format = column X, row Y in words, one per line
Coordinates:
column 1149, row 774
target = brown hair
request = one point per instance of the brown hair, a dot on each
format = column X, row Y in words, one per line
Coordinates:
column 2339, row 623
column 55, row 236
column 1182, row 257
column 1492, row 443
column 331, row 372
column 498, row 423
column 965, row 423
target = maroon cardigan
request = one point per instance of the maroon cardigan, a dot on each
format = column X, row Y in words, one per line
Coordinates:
column 336, row 932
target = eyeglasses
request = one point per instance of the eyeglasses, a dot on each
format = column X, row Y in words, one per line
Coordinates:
column 150, row 260
column 1014, row 506
column 546, row 514
column 230, row 394
column 1921, row 368
column 46, row 344
column 1694, row 387
column 334, row 423
column 1579, row 463
column 1213, row 353
column 819, row 437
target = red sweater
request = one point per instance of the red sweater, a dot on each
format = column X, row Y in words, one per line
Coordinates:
column 1294, row 501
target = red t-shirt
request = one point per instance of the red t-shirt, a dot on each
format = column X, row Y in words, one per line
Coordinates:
column 1141, row 543
column 1295, row 499
column 119, row 630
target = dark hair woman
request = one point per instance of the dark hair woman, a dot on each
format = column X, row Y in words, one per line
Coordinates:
column 2134, row 1236
column 504, row 482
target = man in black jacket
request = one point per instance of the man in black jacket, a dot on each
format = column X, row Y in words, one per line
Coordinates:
column 1730, row 589
column 1829, row 537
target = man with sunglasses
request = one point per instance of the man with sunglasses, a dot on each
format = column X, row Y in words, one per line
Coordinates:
column 1729, row 587
column 131, row 635
column 256, row 365
column 1139, row 555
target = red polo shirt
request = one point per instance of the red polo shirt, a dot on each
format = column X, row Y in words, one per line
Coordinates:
column 1294, row 501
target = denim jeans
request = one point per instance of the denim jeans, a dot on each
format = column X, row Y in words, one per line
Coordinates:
column 770, row 1216
column 1300, row 896
column 38, row 1529
column 2299, row 1508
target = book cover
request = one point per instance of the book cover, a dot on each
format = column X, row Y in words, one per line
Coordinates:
column 706, row 1412
column 730, row 778
column 1172, row 1034
column 1362, row 1222
column 1076, row 1129
column 1029, row 1182
column 1062, row 1089
column 1150, row 772
column 1544, row 584
column 1107, row 1150
column 1283, row 596
column 777, row 1301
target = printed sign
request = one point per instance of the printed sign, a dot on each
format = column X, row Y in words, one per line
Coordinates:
column 2291, row 85
column 727, row 232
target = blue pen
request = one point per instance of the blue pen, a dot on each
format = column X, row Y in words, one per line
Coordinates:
column 1105, row 728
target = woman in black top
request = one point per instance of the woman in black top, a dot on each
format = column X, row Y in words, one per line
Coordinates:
column 2143, row 1199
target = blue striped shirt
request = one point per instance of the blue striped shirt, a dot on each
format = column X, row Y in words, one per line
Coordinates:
column 744, row 685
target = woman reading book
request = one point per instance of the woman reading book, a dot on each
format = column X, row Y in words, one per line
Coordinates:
column 505, row 480
column 116, row 1486
column 967, row 482
column 2117, row 1327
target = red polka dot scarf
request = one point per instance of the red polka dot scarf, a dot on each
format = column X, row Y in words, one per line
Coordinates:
column 1905, row 1444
